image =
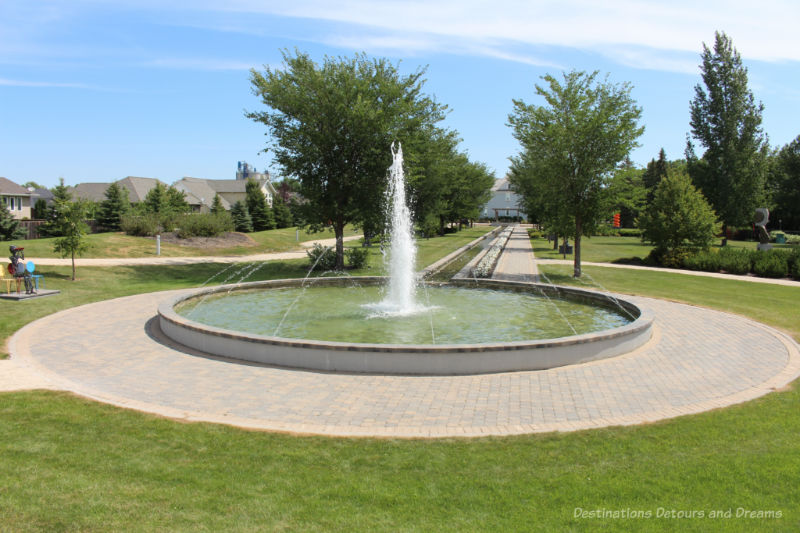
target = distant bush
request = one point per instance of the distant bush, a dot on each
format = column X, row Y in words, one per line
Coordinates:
column 771, row 264
column 323, row 257
column 144, row 225
column 706, row 261
column 630, row 232
column 673, row 258
column 735, row 260
column 535, row 233
column 204, row 225
column 356, row 257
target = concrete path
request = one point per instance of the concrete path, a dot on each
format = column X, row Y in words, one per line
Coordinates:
column 113, row 352
column 517, row 263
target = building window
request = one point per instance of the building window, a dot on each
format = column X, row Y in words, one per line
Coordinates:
column 508, row 197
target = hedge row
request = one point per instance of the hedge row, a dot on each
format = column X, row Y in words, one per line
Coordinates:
column 768, row 264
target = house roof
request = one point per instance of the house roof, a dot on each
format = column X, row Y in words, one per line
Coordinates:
column 501, row 185
column 199, row 188
column 138, row 187
column 9, row 188
column 44, row 194
column 96, row 192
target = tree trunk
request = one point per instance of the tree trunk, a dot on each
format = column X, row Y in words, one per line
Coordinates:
column 724, row 234
column 73, row 265
column 577, row 257
column 338, row 229
column 555, row 241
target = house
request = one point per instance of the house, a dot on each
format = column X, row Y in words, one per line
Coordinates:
column 200, row 192
column 96, row 192
column 16, row 198
column 504, row 202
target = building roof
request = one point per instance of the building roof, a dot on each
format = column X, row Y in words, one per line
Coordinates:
column 138, row 187
column 44, row 194
column 95, row 192
column 501, row 185
column 198, row 189
column 9, row 188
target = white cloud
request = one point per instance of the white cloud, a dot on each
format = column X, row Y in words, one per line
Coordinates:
column 199, row 64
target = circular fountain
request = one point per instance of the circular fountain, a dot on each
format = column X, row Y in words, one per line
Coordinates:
column 381, row 325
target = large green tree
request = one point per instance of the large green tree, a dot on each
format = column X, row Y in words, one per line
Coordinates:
column 258, row 207
column 571, row 145
column 784, row 186
column 330, row 126
column 726, row 121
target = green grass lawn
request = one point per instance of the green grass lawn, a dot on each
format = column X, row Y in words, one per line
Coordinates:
column 610, row 249
column 71, row 464
column 115, row 245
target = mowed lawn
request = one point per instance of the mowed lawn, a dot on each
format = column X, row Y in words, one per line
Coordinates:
column 72, row 464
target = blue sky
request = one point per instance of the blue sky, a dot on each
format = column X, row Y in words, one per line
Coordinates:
column 95, row 90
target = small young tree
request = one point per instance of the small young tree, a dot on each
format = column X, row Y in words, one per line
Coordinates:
column 73, row 230
column 679, row 217
column 9, row 226
column 114, row 207
column 216, row 205
column 241, row 218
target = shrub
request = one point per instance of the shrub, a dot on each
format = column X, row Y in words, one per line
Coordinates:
column 630, row 232
column 323, row 257
column 356, row 257
column 795, row 271
column 706, row 261
column 145, row 225
column 679, row 217
column 205, row 225
column 771, row 264
column 735, row 261
column 673, row 258
column 535, row 233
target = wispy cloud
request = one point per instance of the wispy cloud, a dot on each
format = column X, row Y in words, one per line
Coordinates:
column 195, row 63
column 45, row 84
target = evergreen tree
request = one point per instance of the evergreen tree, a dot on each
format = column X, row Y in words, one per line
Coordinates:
column 155, row 200
column 114, row 207
column 726, row 121
column 216, row 205
column 9, row 226
column 281, row 212
column 655, row 172
column 39, row 209
column 784, row 185
column 257, row 206
column 54, row 223
column 679, row 217
column 176, row 201
column 241, row 217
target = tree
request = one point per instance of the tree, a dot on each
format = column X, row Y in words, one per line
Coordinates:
column 257, row 206
column 33, row 184
column 784, row 186
column 53, row 224
column 165, row 200
column 216, row 205
column 571, row 145
column 72, row 230
column 114, row 207
column 654, row 173
column 281, row 213
column 241, row 218
column 628, row 193
column 9, row 226
column 726, row 121
column 39, row 209
column 679, row 217
column 331, row 125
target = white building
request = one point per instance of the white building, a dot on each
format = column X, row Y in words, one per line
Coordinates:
column 503, row 203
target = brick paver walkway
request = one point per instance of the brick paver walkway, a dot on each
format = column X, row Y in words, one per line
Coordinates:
column 698, row 360
column 516, row 263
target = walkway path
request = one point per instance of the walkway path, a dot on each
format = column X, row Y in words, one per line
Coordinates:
column 517, row 263
column 119, row 356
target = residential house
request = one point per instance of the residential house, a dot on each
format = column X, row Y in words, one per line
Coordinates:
column 96, row 192
column 504, row 202
column 200, row 192
column 16, row 198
